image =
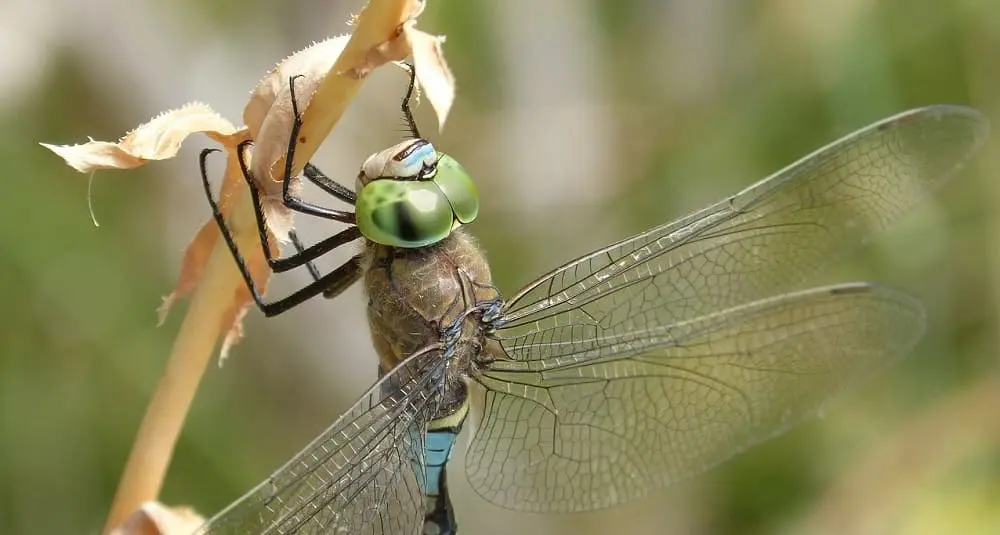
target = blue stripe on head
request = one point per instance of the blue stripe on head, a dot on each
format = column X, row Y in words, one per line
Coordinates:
column 408, row 162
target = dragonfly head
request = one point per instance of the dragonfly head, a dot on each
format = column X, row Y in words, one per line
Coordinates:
column 410, row 195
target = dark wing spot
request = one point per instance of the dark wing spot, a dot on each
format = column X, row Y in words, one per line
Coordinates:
column 852, row 288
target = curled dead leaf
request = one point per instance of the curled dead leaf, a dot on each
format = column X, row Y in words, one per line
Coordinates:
column 328, row 74
column 161, row 139
column 158, row 139
column 343, row 63
column 433, row 73
column 221, row 295
column 268, row 113
column 243, row 225
column 385, row 32
column 154, row 518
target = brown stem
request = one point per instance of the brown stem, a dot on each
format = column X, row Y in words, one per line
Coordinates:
column 153, row 448
column 161, row 426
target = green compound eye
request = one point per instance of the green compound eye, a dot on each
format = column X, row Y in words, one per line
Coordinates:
column 402, row 210
column 458, row 187
column 401, row 213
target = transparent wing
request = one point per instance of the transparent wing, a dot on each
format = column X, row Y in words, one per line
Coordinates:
column 362, row 475
column 679, row 398
column 661, row 355
column 760, row 242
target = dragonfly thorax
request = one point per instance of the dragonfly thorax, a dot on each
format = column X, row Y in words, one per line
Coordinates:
column 416, row 294
column 411, row 196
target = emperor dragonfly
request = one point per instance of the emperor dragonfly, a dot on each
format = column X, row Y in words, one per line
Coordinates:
column 619, row 373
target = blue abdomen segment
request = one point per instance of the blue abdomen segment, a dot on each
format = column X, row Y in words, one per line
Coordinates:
column 439, row 445
column 439, row 515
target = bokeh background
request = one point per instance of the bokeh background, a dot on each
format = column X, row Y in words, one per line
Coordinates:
column 583, row 122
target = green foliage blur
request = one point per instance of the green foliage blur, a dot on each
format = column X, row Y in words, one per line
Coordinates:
column 583, row 122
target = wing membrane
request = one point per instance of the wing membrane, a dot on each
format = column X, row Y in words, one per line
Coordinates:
column 580, row 436
column 762, row 241
column 362, row 475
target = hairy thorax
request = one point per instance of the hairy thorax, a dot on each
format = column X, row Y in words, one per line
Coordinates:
column 415, row 293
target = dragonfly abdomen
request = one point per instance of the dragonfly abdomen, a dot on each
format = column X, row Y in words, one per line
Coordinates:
column 439, row 516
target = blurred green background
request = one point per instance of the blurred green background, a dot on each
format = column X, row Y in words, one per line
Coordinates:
column 583, row 122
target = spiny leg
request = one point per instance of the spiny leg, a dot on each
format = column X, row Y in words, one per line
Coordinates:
column 334, row 282
column 304, row 255
column 329, row 185
column 407, row 113
column 287, row 198
column 299, row 249
column 292, row 202
column 329, row 293
column 350, row 272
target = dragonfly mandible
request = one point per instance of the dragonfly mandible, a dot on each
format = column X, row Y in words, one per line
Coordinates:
column 617, row 374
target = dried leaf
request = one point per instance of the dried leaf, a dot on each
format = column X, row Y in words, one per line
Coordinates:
column 385, row 32
column 346, row 60
column 328, row 74
column 158, row 139
column 433, row 73
column 220, row 295
column 395, row 48
column 192, row 266
column 269, row 118
column 268, row 114
column 243, row 226
column 161, row 139
column 154, row 518
column 233, row 336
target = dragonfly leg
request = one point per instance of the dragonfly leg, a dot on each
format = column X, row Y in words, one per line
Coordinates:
column 349, row 276
column 299, row 249
column 328, row 184
column 411, row 125
column 289, row 200
column 314, row 175
column 332, row 283
column 304, row 255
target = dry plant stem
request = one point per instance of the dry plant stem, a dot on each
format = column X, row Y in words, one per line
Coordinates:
column 380, row 21
column 193, row 349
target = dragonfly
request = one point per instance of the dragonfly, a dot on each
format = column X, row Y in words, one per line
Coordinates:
column 624, row 371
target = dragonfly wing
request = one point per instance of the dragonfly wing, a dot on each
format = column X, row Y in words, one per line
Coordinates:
column 362, row 475
column 763, row 241
column 677, row 400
